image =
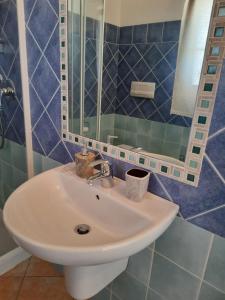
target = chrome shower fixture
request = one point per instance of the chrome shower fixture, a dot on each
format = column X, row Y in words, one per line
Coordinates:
column 5, row 90
column 8, row 91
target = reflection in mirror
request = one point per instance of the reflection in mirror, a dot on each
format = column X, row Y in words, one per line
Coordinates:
column 85, row 36
column 193, row 38
column 129, row 96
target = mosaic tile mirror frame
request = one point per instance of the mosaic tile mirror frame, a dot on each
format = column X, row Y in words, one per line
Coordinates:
column 189, row 172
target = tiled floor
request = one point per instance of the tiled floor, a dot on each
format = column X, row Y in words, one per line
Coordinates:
column 33, row 279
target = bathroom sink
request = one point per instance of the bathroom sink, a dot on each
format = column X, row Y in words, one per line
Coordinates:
column 43, row 215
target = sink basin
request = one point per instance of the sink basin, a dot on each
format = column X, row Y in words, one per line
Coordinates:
column 43, row 214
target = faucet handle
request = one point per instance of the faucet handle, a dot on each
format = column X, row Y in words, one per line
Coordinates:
column 106, row 168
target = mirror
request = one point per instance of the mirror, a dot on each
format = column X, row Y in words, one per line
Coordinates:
column 134, row 72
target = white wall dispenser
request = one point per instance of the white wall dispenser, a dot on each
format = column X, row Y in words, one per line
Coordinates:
column 143, row 89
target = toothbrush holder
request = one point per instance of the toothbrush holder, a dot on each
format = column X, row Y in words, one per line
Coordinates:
column 137, row 184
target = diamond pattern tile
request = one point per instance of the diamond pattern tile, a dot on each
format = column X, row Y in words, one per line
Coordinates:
column 42, row 16
column 18, row 124
column 52, row 52
column 40, row 81
column 153, row 62
column 4, row 7
column 10, row 27
column 34, row 52
column 10, row 69
column 15, row 76
column 61, row 154
column 53, row 110
column 36, row 106
column 216, row 151
column 46, row 133
column 44, row 71
column 219, row 109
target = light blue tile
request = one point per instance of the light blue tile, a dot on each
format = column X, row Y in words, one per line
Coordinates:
column 174, row 133
column 19, row 157
column 210, row 293
column 19, row 177
column 139, row 265
column 172, row 282
column 171, row 149
column 152, row 295
column 158, row 130
column 120, row 121
column 103, row 295
column 185, row 244
column 114, row 297
column 127, row 288
column 152, row 246
column 215, row 271
column 48, row 163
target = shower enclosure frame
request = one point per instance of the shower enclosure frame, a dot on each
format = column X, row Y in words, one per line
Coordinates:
column 25, row 86
column 17, row 255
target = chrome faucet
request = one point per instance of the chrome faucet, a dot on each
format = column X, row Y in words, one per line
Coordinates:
column 105, row 173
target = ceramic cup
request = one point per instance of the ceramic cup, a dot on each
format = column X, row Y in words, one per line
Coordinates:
column 137, row 184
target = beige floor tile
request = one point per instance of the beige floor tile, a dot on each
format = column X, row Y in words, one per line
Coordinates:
column 9, row 287
column 43, row 288
column 18, row 270
column 38, row 267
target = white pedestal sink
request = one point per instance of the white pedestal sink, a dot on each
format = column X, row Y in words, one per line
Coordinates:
column 43, row 214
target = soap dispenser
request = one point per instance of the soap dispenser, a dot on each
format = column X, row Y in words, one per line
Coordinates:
column 83, row 160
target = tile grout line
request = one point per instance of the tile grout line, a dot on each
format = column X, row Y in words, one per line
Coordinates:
column 205, row 266
column 158, row 294
column 39, row 144
column 7, row 13
column 150, row 271
column 214, row 168
column 44, row 107
column 53, row 9
column 205, row 212
column 22, row 281
column 43, row 51
column 215, row 134
column 12, row 62
column 163, row 188
column 181, row 267
column 211, row 285
column 31, row 12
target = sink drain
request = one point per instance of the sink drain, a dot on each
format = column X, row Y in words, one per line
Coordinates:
column 82, row 229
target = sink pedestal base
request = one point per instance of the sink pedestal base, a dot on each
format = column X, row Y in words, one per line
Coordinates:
column 84, row 282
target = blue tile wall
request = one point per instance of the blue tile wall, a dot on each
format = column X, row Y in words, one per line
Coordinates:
column 143, row 52
column 148, row 53
column 203, row 206
column 10, row 69
column 110, row 68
